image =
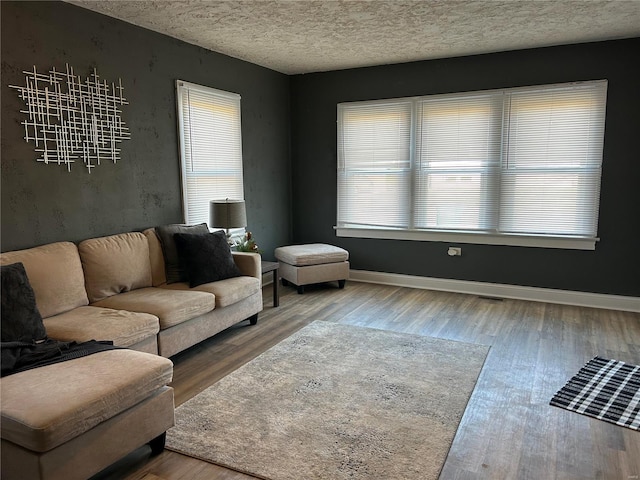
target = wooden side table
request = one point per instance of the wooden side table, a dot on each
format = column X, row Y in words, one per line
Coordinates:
column 273, row 267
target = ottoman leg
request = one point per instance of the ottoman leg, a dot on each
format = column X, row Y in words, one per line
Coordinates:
column 300, row 289
column 341, row 283
column 285, row 282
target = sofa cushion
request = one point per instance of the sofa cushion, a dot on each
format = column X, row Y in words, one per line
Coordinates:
column 156, row 257
column 47, row 406
column 55, row 274
column 121, row 327
column 170, row 306
column 173, row 267
column 115, row 264
column 21, row 320
column 206, row 257
column 227, row 292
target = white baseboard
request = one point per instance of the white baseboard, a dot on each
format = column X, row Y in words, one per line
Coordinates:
column 549, row 295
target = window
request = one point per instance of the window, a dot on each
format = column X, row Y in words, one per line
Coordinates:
column 210, row 148
column 516, row 167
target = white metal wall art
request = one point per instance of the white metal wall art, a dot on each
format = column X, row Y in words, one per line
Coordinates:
column 70, row 120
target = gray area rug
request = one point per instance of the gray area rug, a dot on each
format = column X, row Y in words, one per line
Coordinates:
column 335, row 402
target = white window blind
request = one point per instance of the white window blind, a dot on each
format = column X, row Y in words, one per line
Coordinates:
column 374, row 168
column 550, row 177
column 210, row 147
column 521, row 162
column 458, row 154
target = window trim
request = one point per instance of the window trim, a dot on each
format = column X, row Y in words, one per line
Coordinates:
column 479, row 238
column 179, row 85
column 461, row 236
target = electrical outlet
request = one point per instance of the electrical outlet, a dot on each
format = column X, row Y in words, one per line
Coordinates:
column 454, row 251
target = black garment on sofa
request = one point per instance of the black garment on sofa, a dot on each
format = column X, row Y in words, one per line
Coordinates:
column 20, row 356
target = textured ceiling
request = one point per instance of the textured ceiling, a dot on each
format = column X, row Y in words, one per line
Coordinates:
column 302, row 36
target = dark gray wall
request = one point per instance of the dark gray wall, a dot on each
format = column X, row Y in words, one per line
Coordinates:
column 613, row 268
column 44, row 203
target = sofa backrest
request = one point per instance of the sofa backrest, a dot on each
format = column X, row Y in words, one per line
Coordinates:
column 55, row 274
column 158, row 273
column 115, row 264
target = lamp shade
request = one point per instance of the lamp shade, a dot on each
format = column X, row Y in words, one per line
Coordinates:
column 227, row 214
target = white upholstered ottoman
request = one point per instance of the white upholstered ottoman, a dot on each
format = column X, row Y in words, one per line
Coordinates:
column 313, row 263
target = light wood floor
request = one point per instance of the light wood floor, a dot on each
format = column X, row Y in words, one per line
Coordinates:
column 509, row 431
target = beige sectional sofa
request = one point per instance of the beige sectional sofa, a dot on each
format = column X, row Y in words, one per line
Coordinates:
column 114, row 288
column 72, row 419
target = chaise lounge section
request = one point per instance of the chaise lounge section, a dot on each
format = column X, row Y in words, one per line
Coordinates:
column 70, row 420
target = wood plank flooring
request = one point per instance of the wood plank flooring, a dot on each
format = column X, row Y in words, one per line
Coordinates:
column 509, row 431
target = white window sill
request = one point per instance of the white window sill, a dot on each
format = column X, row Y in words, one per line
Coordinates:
column 571, row 243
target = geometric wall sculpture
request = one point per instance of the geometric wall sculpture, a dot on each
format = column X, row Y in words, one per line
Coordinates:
column 69, row 120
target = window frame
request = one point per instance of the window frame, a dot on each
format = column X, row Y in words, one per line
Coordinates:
column 237, row 169
column 491, row 237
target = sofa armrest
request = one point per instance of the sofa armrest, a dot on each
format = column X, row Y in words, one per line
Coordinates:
column 248, row 263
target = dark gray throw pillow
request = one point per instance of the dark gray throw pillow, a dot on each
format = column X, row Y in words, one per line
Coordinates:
column 21, row 319
column 173, row 268
column 206, row 257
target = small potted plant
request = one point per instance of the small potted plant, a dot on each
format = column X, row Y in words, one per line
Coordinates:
column 246, row 244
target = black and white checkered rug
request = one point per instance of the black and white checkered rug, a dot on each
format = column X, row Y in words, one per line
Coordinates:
column 608, row 390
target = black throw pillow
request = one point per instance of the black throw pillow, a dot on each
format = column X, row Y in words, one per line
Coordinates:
column 21, row 319
column 173, row 266
column 206, row 257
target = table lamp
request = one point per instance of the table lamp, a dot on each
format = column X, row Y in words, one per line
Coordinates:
column 227, row 214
